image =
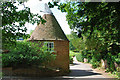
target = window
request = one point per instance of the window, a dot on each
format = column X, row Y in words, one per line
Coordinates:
column 49, row 46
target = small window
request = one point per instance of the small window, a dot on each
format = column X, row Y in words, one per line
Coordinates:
column 49, row 46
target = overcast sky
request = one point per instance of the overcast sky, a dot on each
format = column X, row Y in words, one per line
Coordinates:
column 36, row 6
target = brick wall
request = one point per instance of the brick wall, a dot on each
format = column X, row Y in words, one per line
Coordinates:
column 61, row 48
column 62, row 51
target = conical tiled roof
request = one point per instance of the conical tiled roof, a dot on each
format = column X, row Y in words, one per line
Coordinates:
column 51, row 30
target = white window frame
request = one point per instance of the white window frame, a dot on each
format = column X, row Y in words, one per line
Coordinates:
column 48, row 47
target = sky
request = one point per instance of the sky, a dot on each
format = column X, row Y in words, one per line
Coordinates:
column 36, row 6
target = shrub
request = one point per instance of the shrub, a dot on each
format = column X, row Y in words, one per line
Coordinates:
column 27, row 54
column 117, row 58
column 95, row 63
column 80, row 57
column 71, row 59
column 118, row 72
column 110, row 62
column 72, row 53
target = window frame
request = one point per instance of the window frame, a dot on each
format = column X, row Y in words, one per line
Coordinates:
column 48, row 47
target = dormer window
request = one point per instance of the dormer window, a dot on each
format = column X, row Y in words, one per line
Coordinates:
column 49, row 46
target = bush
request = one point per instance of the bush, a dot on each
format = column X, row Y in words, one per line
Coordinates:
column 71, row 55
column 117, row 59
column 71, row 59
column 26, row 54
column 95, row 63
column 118, row 72
column 80, row 57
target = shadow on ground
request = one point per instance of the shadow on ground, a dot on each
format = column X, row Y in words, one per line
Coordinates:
column 76, row 73
column 59, row 79
column 75, row 64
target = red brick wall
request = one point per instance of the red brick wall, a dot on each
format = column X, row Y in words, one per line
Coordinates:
column 62, row 51
column 61, row 48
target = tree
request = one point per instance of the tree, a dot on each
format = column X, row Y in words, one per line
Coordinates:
column 13, row 21
column 98, row 22
column 71, row 37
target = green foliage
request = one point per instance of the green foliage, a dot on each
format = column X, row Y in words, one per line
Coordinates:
column 13, row 21
column 98, row 27
column 71, row 38
column 78, row 44
column 80, row 57
column 117, row 58
column 71, row 59
column 95, row 63
column 110, row 61
column 25, row 54
column 71, row 55
column 118, row 69
column 118, row 74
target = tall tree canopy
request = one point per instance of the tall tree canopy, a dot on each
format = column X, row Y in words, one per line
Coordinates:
column 86, row 17
column 13, row 21
column 97, row 24
column 72, row 37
